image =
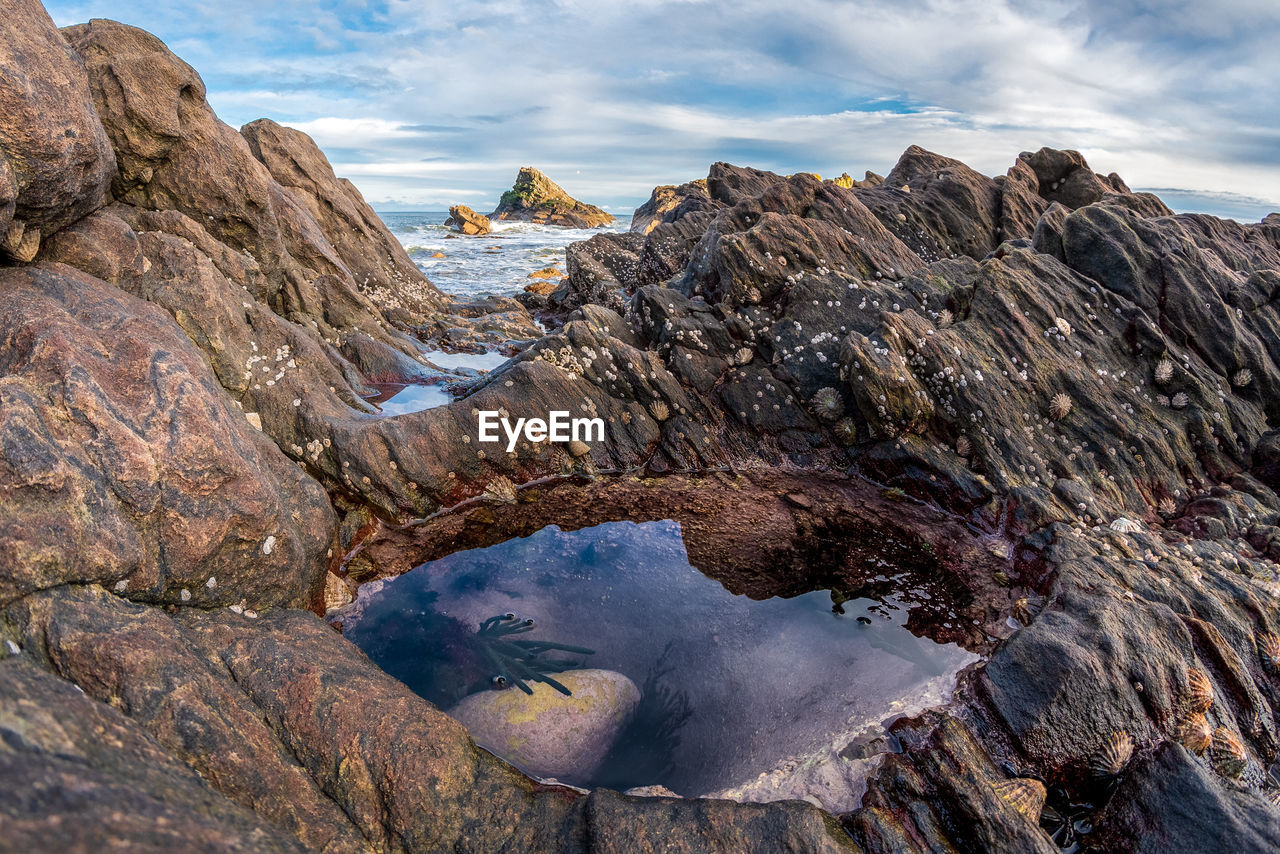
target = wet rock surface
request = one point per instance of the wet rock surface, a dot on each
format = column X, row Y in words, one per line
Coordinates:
column 1046, row 387
column 467, row 221
column 547, row 733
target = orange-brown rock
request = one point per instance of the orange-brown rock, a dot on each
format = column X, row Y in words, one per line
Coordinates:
column 56, row 163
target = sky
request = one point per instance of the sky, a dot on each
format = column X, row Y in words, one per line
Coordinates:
column 423, row 103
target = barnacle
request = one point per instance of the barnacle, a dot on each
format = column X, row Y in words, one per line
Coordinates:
column 1269, row 651
column 827, row 404
column 1024, row 795
column 1229, row 757
column 1242, row 378
column 1060, row 406
column 1195, row 734
column 1114, row 754
column 1164, row 371
column 501, row 490
column 1199, row 691
column 846, row 431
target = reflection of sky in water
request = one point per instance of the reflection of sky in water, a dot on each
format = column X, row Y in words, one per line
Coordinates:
column 475, row 361
column 496, row 263
column 415, row 398
column 764, row 680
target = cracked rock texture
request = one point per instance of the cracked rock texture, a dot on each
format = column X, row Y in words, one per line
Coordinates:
column 1046, row 390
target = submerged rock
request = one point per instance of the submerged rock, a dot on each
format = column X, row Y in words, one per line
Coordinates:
column 464, row 219
column 536, row 198
column 548, row 734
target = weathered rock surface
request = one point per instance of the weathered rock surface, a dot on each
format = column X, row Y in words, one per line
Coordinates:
column 670, row 203
column 125, row 464
column 1068, row 394
column 55, row 160
column 546, row 733
column 467, row 221
column 78, row 775
column 536, row 198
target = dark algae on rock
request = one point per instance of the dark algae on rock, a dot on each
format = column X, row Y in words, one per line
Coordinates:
column 1044, row 394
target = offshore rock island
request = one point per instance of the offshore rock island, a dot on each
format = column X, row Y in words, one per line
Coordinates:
column 1048, row 395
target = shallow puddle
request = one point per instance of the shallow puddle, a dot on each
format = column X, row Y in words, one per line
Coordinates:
column 398, row 399
column 475, row 361
column 730, row 688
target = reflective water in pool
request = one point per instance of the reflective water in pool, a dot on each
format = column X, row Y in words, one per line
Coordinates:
column 732, row 688
column 475, row 361
column 397, row 399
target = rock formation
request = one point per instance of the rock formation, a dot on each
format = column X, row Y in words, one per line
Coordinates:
column 1045, row 390
column 467, row 221
column 55, row 166
column 536, row 198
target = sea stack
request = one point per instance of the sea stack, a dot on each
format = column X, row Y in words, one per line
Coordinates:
column 467, row 221
column 536, row 198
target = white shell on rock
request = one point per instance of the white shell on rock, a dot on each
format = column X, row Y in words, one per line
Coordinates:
column 547, row 734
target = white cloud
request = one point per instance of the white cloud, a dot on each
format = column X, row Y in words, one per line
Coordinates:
column 437, row 100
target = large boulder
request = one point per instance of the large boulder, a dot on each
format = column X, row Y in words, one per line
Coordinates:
column 56, row 162
column 174, row 154
column 467, row 221
column 548, row 734
column 125, row 464
column 377, row 262
column 536, row 198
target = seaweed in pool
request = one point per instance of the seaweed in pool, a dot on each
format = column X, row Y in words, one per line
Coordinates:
column 519, row 661
column 645, row 751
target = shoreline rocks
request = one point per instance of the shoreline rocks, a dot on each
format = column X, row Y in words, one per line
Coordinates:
column 1083, row 385
column 465, row 220
column 536, row 198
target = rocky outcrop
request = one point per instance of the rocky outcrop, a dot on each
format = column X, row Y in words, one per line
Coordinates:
column 536, row 198
column 669, row 203
column 376, row 262
column 55, row 161
column 604, row 270
column 467, row 221
column 124, row 464
column 1057, row 398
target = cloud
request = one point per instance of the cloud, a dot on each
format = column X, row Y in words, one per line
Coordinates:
column 425, row 101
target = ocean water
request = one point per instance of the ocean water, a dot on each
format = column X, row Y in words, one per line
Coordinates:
column 733, row 687
column 495, row 263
